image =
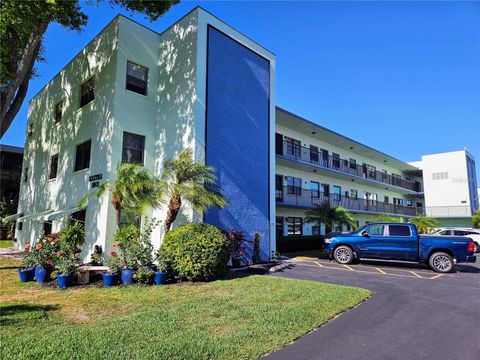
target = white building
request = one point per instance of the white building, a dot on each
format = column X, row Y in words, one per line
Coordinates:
column 450, row 187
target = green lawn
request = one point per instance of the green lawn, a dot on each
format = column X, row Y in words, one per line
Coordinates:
column 6, row 243
column 238, row 318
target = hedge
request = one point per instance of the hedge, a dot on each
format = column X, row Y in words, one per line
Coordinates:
column 299, row 243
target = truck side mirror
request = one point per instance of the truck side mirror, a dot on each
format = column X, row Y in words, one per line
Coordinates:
column 365, row 233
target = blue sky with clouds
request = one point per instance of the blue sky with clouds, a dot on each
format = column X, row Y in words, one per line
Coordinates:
column 402, row 77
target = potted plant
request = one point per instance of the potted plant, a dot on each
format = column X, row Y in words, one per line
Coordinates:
column 27, row 272
column 144, row 275
column 44, row 255
column 96, row 257
column 160, row 275
column 236, row 239
column 67, row 268
column 114, row 262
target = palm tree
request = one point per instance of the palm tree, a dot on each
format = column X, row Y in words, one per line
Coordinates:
column 388, row 218
column 134, row 190
column 186, row 179
column 326, row 214
column 425, row 224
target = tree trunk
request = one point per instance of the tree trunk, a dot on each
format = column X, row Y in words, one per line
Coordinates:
column 173, row 208
column 118, row 211
column 328, row 228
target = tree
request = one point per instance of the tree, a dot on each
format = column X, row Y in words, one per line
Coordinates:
column 425, row 224
column 134, row 190
column 388, row 218
column 476, row 220
column 186, row 179
column 326, row 214
column 22, row 27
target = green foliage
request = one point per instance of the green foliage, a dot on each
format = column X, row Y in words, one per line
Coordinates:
column 114, row 262
column 67, row 263
column 135, row 244
column 143, row 275
column 8, row 206
column 256, row 248
column 134, row 190
column 195, row 252
column 72, row 236
column 47, row 250
column 189, row 180
column 425, row 224
column 28, row 259
column 388, row 219
column 476, row 220
column 326, row 214
column 22, row 27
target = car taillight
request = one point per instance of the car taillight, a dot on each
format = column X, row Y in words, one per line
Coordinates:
column 471, row 246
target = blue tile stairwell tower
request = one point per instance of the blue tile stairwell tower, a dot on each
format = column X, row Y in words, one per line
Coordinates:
column 237, row 136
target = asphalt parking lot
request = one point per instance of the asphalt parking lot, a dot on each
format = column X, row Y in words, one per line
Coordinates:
column 414, row 313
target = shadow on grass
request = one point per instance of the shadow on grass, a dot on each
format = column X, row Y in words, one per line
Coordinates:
column 14, row 314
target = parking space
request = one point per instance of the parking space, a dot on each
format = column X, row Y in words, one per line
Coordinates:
column 373, row 268
column 414, row 313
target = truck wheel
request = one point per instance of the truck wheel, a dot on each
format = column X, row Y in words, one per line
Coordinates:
column 441, row 262
column 343, row 255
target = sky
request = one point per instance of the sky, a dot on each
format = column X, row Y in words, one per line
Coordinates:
column 401, row 77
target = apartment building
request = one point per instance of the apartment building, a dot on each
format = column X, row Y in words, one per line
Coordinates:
column 315, row 164
column 135, row 95
column 450, row 187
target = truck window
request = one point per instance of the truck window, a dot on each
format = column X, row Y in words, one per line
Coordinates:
column 375, row 230
column 399, row 230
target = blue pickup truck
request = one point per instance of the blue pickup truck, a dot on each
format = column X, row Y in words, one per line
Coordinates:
column 399, row 242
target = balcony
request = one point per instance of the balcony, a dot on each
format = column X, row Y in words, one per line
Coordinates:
column 324, row 160
column 291, row 196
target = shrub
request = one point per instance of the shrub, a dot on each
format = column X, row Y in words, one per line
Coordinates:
column 195, row 252
column 44, row 254
column 256, row 248
column 72, row 236
column 236, row 239
column 143, row 275
column 299, row 243
column 114, row 262
column 67, row 262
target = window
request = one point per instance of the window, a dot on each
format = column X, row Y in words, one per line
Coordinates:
column 354, row 194
column 335, row 160
column 445, row 233
column 279, row 187
column 419, row 205
column 58, row 112
column 315, row 188
column 325, row 156
column 315, row 230
column 133, row 148
column 386, row 199
column 371, row 171
column 314, row 153
column 399, row 230
column 409, row 203
column 326, row 189
column 353, row 164
column 398, row 201
column 87, row 91
column 78, row 216
column 294, row 225
column 440, row 176
column 82, row 156
column 294, row 185
column 374, row 230
column 279, row 225
column 337, row 192
column 293, row 146
column 53, row 166
column 137, row 77
column 20, row 225
column 47, row 227
column 459, row 233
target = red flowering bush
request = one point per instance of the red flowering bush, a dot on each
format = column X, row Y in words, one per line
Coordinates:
column 45, row 252
column 236, row 239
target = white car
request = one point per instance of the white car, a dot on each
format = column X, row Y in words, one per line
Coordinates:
column 473, row 234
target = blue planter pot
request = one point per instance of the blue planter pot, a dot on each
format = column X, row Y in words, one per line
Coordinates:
column 65, row 280
column 26, row 274
column 43, row 274
column 110, row 279
column 127, row 276
column 159, row 277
